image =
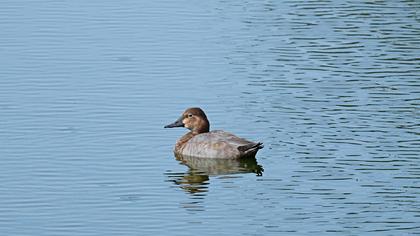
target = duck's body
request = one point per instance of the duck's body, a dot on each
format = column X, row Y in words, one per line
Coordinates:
column 214, row 144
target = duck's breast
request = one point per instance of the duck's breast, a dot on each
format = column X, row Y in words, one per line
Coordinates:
column 214, row 144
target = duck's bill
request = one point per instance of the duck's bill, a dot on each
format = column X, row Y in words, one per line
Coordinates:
column 177, row 123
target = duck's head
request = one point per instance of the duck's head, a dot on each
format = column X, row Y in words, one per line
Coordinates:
column 193, row 119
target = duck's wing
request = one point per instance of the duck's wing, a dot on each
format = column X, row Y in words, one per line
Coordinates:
column 245, row 147
column 220, row 144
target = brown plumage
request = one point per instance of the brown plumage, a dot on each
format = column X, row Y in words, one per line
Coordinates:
column 200, row 142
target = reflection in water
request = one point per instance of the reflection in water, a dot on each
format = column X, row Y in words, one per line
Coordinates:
column 196, row 179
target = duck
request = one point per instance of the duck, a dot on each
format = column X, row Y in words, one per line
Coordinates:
column 203, row 143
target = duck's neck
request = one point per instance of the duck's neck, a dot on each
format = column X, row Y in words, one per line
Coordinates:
column 202, row 127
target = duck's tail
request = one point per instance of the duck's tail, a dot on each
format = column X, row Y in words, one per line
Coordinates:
column 250, row 148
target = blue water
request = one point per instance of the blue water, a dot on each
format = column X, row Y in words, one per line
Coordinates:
column 330, row 87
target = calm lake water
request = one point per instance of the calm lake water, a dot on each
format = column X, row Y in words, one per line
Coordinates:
column 332, row 88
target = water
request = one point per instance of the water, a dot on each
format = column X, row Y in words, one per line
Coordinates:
column 330, row 87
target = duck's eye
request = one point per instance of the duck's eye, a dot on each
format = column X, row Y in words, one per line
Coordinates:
column 189, row 115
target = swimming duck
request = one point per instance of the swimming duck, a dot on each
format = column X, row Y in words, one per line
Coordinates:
column 201, row 142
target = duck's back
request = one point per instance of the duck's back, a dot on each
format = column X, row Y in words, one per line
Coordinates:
column 219, row 144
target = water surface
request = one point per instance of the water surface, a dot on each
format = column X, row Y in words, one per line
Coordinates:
column 330, row 87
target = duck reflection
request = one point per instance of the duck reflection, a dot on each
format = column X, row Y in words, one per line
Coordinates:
column 196, row 179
